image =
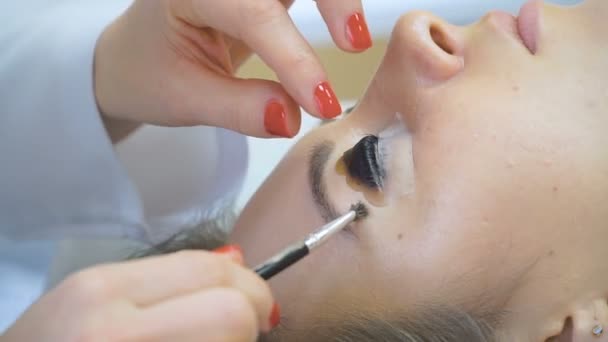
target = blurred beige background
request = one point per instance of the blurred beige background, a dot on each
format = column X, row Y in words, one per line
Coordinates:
column 348, row 73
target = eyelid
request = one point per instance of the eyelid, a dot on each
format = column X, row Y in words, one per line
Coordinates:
column 396, row 150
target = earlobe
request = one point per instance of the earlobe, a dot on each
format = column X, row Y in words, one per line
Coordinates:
column 566, row 334
column 587, row 322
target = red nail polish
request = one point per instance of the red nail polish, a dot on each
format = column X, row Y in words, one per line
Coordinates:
column 328, row 103
column 275, row 316
column 234, row 251
column 275, row 120
column 357, row 32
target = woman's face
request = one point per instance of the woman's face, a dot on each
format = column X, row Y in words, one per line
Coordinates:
column 505, row 206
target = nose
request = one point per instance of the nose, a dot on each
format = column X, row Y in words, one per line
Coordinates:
column 423, row 52
column 432, row 47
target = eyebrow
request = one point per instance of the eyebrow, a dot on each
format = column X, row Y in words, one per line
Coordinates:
column 317, row 163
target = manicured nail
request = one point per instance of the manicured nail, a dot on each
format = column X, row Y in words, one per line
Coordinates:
column 357, row 32
column 328, row 103
column 275, row 316
column 233, row 251
column 275, row 120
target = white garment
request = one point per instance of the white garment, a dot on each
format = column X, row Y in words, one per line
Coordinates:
column 59, row 173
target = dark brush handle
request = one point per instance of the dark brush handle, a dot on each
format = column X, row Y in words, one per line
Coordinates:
column 281, row 261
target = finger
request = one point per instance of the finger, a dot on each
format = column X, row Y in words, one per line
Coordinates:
column 254, row 107
column 214, row 315
column 239, row 51
column 265, row 26
column 346, row 24
column 152, row 280
column 287, row 3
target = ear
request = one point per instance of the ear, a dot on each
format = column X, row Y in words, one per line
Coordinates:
column 566, row 335
column 587, row 322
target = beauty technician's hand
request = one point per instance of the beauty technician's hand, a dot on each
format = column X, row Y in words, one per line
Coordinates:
column 186, row 296
column 172, row 62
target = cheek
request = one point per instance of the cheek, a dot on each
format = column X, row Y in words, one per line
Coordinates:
column 467, row 214
column 492, row 53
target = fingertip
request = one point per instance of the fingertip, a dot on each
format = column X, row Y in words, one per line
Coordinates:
column 327, row 102
column 282, row 117
column 233, row 251
column 347, row 24
column 275, row 316
column 352, row 34
column 357, row 32
column 275, row 119
column 294, row 118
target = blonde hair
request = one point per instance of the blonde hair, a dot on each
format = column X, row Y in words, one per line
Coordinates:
column 433, row 324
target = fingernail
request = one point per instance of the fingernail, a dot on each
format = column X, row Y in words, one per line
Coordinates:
column 233, row 251
column 275, row 120
column 275, row 316
column 328, row 103
column 357, row 32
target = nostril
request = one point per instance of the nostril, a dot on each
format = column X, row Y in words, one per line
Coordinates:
column 441, row 39
column 433, row 50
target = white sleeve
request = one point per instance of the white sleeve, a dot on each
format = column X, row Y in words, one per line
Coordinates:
column 58, row 171
column 184, row 176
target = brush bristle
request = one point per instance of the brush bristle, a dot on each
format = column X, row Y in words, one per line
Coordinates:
column 360, row 210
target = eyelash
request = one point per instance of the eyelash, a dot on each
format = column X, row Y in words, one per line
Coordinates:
column 362, row 162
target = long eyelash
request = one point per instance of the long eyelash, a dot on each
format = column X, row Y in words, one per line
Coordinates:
column 363, row 164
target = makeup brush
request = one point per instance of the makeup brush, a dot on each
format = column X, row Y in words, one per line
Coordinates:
column 299, row 250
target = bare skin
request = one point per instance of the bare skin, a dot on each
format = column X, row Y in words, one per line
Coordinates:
column 511, row 177
column 172, row 63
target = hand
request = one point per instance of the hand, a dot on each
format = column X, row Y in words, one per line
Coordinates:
column 186, row 296
column 172, row 62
